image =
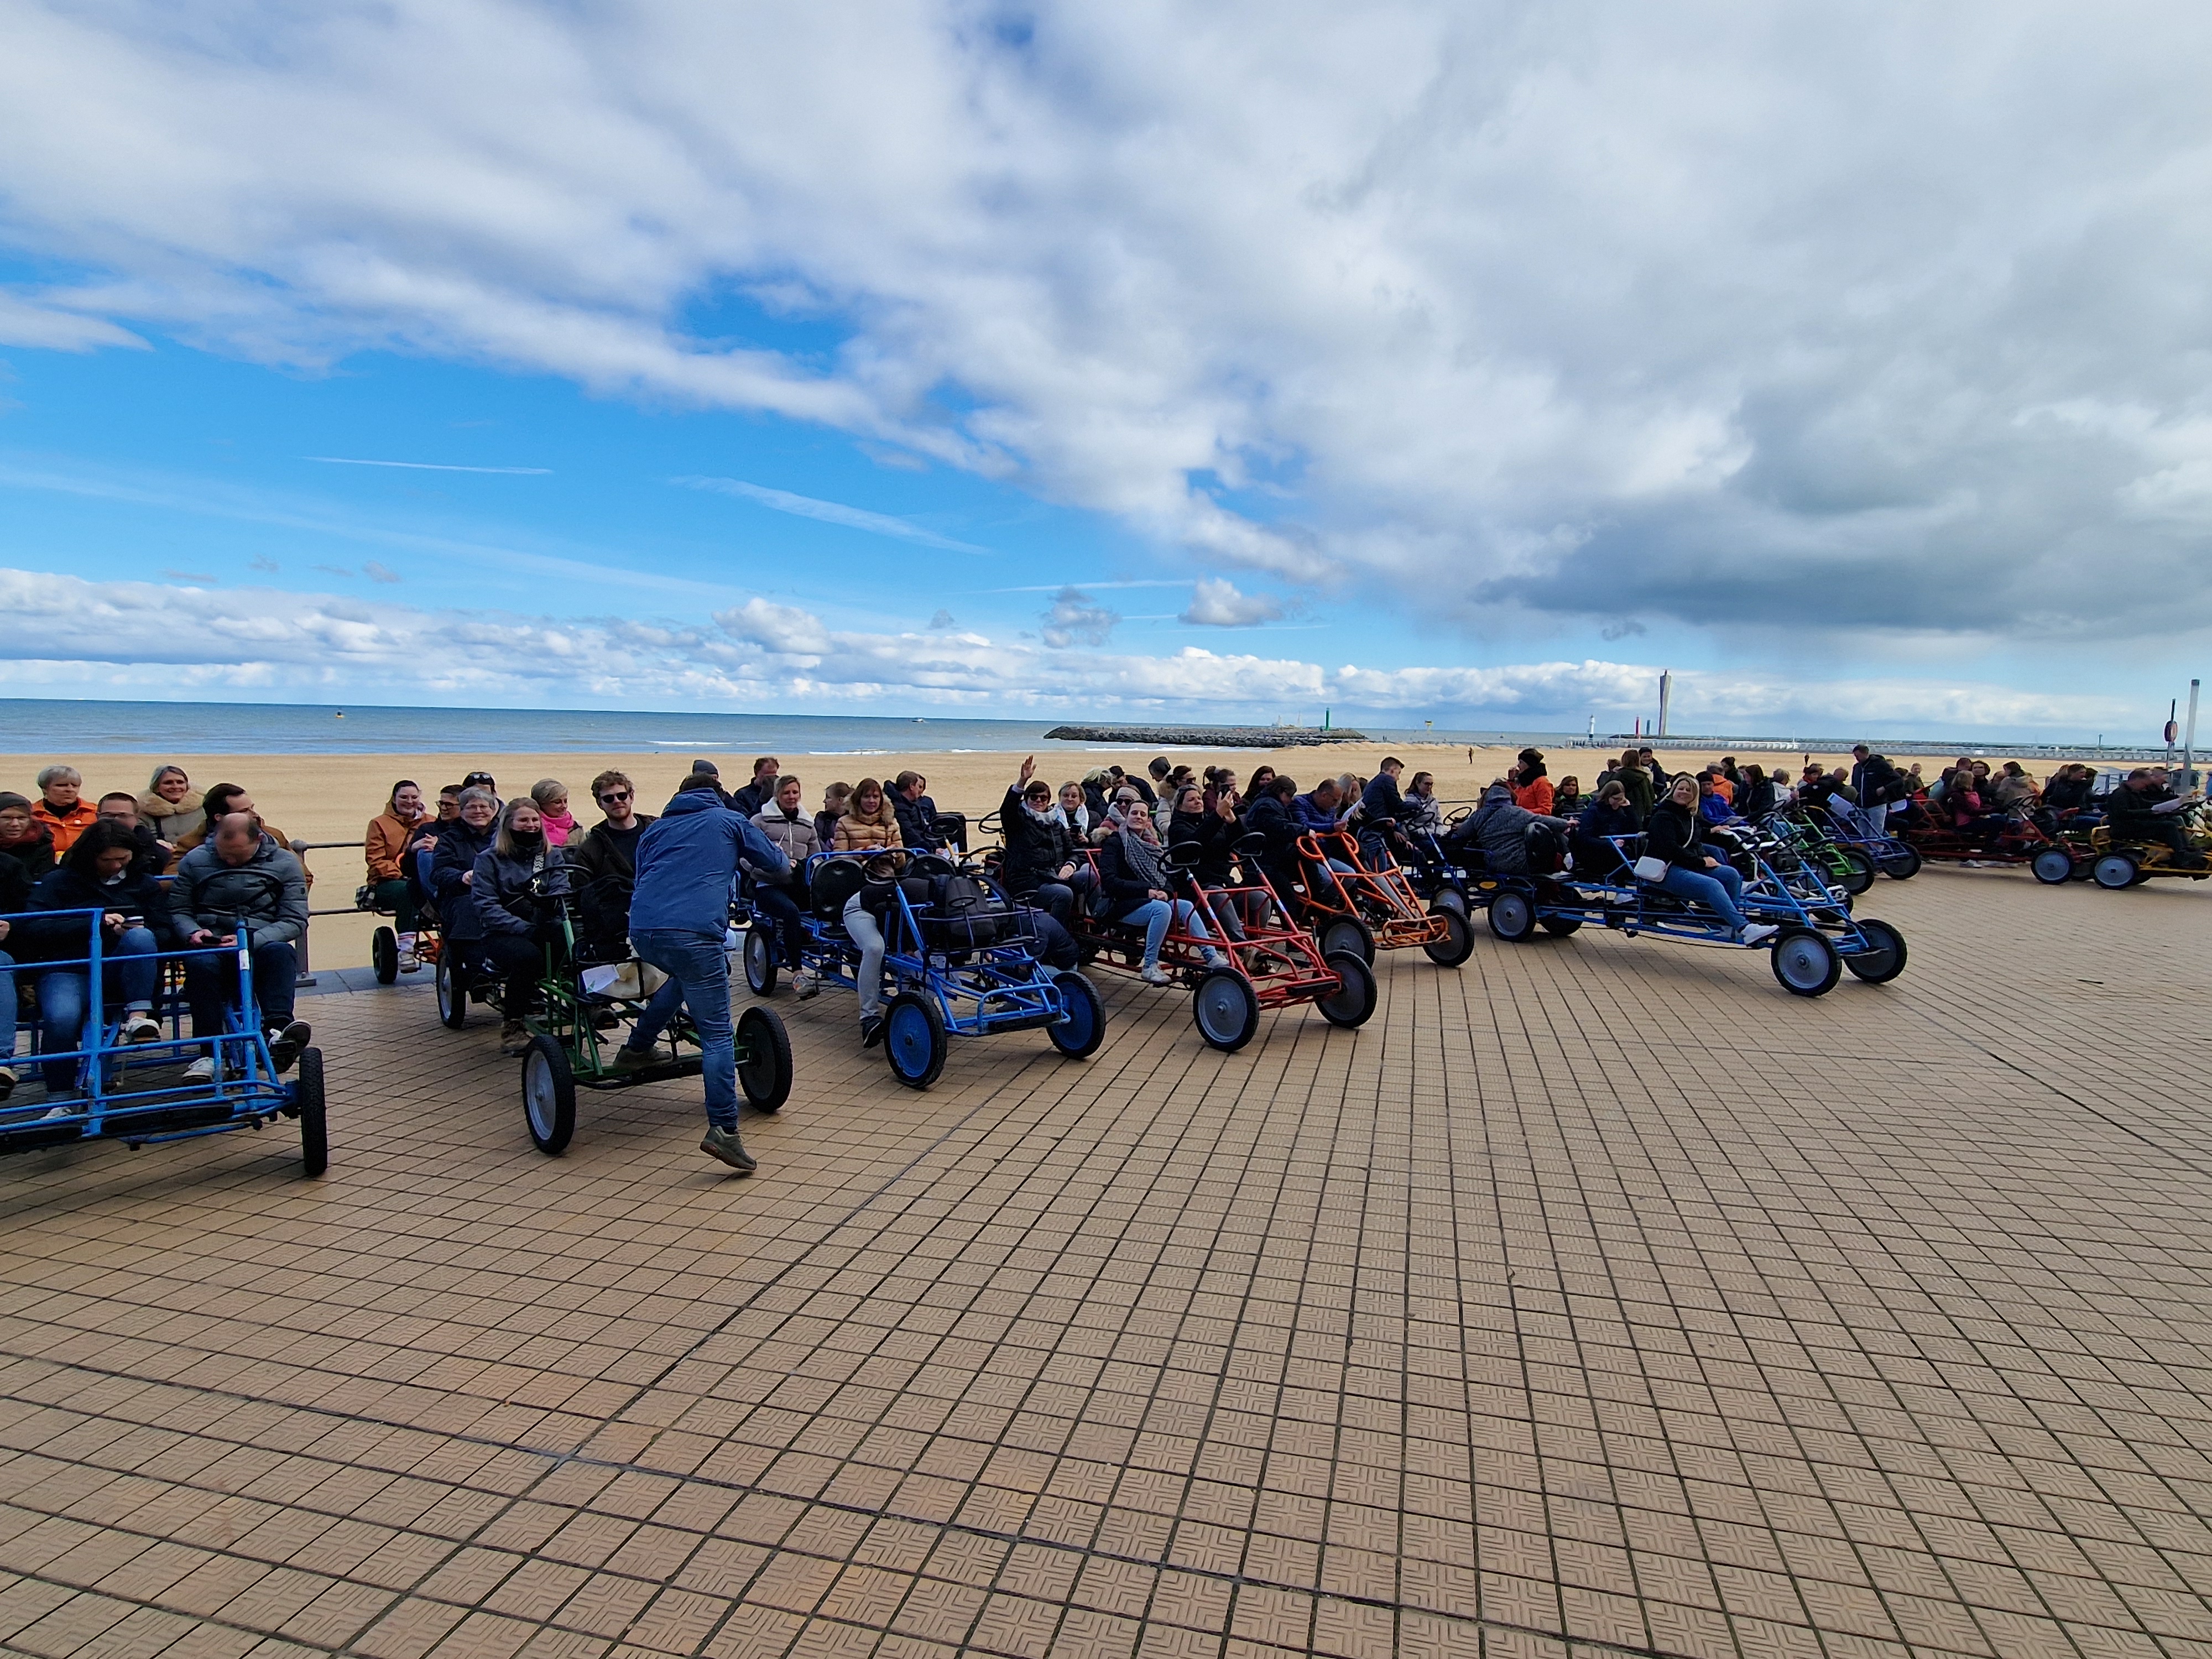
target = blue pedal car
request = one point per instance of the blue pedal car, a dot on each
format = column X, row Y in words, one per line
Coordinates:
column 1819, row 940
column 960, row 959
column 138, row 1092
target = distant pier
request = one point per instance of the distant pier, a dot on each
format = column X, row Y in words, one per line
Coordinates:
column 1207, row 737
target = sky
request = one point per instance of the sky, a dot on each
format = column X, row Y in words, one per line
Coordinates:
column 1468, row 361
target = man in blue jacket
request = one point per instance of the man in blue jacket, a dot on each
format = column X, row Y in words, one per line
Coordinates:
column 679, row 915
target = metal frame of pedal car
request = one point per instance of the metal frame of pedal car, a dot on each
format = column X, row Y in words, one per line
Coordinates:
column 1275, row 965
column 247, row 1092
column 570, row 1048
column 933, row 995
column 1374, row 907
column 1892, row 855
column 2116, row 863
column 1846, row 866
column 1819, row 938
column 2052, row 860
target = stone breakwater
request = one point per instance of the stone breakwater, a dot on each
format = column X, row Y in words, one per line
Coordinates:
column 1207, row 737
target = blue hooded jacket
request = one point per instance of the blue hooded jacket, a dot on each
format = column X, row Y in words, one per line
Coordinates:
column 687, row 865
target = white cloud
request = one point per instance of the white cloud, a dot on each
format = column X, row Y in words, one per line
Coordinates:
column 1076, row 618
column 119, row 636
column 1216, row 603
column 1611, row 309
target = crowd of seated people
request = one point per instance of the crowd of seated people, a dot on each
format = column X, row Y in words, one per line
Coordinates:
column 173, row 873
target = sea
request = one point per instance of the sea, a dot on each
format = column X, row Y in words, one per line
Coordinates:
column 89, row 725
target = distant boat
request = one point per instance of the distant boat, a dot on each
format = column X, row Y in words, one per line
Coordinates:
column 918, row 720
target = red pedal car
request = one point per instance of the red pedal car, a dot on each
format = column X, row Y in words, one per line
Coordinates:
column 1275, row 963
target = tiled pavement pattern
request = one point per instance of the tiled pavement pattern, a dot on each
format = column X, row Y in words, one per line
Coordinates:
column 1599, row 1299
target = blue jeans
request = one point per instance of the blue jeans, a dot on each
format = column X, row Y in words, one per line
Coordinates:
column 211, row 980
column 1718, row 889
column 1153, row 915
column 865, row 930
column 8, row 1004
column 775, row 904
column 699, row 979
column 132, row 971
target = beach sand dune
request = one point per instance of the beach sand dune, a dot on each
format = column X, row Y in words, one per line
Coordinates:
column 332, row 798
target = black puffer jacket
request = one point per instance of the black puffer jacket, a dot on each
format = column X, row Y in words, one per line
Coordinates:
column 1213, row 836
column 67, row 938
column 1677, row 834
column 1036, row 848
column 460, row 846
column 501, row 895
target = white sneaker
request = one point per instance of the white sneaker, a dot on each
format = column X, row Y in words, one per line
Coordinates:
column 201, row 1070
column 1157, row 975
column 55, row 1112
column 142, row 1027
column 409, row 962
column 1758, row 933
column 805, row 983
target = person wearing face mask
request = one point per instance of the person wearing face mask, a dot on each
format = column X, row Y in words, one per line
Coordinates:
column 1132, row 868
column 512, row 913
column 135, row 923
column 790, row 828
column 453, row 867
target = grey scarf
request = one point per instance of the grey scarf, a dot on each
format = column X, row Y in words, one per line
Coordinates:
column 1143, row 858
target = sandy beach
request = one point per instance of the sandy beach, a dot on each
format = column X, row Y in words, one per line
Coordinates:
column 327, row 798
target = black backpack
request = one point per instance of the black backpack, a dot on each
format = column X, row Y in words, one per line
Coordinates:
column 964, row 914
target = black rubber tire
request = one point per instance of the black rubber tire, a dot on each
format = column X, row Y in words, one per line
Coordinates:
column 1561, row 926
column 1352, row 1005
column 1078, row 1036
column 2053, row 866
column 761, row 964
column 2115, row 871
column 1881, row 968
column 916, row 1041
column 1347, row 933
column 453, row 983
column 1226, row 1009
column 384, row 955
column 764, row 1072
column 1858, row 871
column 1805, row 963
column 1902, row 865
column 1512, row 914
column 313, row 1113
column 1457, row 944
column 549, row 1096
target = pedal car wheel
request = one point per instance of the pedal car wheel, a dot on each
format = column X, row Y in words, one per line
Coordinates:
column 914, row 1040
column 1561, row 926
column 1226, row 1009
column 452, row 981
column 1857, row 872
column 2114, row 870
column 1902, row 865
column 1512, row 916
column 763, row 1058
column 384, row 955
column 1352, row 1002
column 1078, row 1035
column 1458, row 943
column 1347, row 933
column 549, row 1096
column 314, row 1124
column 1886, row 961
column 1451, row 899
column 1806, row 964
column 760, row 961
column 2052, row 867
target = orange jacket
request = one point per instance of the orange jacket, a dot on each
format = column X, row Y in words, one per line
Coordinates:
column 1535, row 797
column 386, row 841
column 67, row 826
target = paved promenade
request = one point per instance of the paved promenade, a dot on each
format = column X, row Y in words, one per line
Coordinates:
column 1599, row 1299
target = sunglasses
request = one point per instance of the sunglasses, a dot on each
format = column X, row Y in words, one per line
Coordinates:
column 612, row 796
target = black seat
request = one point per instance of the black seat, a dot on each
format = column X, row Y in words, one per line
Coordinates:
column 835, row 881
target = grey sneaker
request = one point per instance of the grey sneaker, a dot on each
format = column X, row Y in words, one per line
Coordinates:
column 725, row 1145
column 1156, row 975
column 627, row 1060
column 803, row 981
